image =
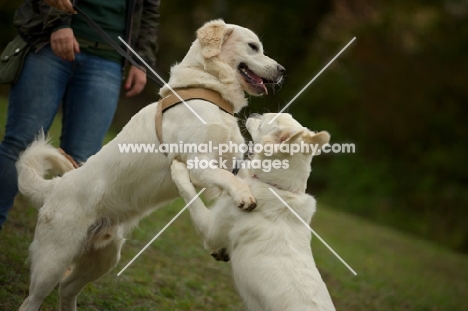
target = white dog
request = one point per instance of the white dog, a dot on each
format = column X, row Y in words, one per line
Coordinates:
column 269, row 247
column 85, row 214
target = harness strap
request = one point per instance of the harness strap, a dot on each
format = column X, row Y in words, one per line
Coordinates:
column 188, row 94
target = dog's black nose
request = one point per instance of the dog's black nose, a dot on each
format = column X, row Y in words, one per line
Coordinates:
column 255, row 115
column 281, row 69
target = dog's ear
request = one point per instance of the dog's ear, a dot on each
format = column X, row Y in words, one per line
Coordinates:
column 286, row 135
column 212, row 35
column 290, row 136
column 319, row 139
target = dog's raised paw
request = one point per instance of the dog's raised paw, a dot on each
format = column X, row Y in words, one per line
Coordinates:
column 179, row 172
column 221, row 255
column 246, row 202
column 251, row 206
column 248, row 207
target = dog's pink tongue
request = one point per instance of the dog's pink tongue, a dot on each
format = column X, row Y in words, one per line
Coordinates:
column 257, row 80
column 254, row 77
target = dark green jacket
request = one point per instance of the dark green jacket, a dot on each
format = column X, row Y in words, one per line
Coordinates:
column 35, row 21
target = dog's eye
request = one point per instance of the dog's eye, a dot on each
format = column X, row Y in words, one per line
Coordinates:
column 253, row 46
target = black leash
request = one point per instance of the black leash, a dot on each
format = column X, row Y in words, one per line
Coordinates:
column 114, row 44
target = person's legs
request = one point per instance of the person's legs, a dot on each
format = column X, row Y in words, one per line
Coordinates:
column 89, row 105
column 32, row 105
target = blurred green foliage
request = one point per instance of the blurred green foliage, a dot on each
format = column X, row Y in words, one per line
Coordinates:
column 399, row 93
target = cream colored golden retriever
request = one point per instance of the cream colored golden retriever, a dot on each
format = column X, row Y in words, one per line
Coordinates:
column 269, row 248
column 85, row 214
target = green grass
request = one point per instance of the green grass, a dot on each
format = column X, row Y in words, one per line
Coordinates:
column 175, row 273
column 395, row 271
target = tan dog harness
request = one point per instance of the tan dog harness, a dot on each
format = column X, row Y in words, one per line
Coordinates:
column 188, row 94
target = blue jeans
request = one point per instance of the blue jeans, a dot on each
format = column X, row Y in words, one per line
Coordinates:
column 88, row 89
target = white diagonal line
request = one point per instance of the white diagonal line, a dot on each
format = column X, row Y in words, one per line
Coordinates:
column 162, row 80
column 312, row 230
column 160, row 232
column 313, row 79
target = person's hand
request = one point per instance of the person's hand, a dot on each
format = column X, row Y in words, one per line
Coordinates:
column 136, row 81
column 64, row 5
column 64, row 44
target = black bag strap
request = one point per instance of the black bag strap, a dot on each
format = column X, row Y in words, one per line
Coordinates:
column 114, row 44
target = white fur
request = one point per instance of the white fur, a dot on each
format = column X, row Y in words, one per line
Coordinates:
column 86, row 213
column 37, row 161
column 270, row 251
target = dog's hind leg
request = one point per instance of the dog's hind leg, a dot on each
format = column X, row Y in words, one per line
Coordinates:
column 48, row 264
column 57, row 241
column 88, row 268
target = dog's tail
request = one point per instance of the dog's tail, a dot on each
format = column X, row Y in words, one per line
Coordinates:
column 39, row 159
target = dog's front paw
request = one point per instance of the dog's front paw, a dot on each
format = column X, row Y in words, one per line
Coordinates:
column 181, row 178
column 221, row 255
column 244, row 199
column 180, row 173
